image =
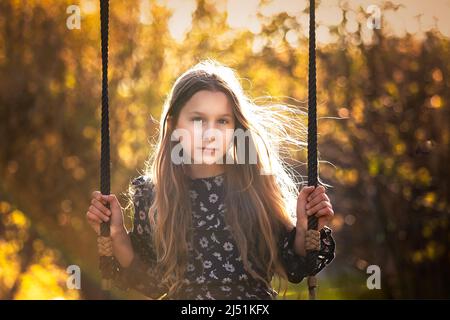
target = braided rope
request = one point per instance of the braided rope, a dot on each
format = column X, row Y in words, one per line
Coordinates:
column 312, row 240
column 106, row 258
column 312, row 254
column 105, row 246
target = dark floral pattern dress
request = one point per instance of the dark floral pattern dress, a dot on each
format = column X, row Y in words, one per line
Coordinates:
column 215, row 269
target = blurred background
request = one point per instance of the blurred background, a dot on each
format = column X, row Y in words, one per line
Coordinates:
column 383, row 107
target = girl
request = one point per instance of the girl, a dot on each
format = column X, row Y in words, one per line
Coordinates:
column 215, row 217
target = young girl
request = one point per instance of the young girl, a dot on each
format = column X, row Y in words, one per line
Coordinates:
column 215, row 217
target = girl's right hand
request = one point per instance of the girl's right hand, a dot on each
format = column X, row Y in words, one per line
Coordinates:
column 98, row 213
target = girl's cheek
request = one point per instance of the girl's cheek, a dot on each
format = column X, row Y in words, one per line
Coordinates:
column 228, row 138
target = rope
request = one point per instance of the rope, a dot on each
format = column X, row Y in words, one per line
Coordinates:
column 312, row 253
column 312, row 240
column 105, row 256
column 105, row 246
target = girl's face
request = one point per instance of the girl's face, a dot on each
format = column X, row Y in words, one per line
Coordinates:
column 206, row 126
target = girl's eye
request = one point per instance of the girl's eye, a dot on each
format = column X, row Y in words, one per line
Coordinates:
column 221, row 121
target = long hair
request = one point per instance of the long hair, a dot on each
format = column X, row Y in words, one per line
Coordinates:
column 260, row 197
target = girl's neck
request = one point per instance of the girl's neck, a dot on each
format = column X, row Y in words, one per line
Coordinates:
column 197, row 171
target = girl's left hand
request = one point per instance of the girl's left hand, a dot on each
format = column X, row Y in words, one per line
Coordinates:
column 313, row 201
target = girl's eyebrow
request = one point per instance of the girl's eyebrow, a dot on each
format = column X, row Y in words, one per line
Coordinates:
column 201, row 113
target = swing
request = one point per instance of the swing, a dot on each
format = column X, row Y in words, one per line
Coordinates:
column 106, row 256
column 106, row 259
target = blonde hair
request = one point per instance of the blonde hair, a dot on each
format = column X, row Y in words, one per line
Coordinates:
column 258, row 205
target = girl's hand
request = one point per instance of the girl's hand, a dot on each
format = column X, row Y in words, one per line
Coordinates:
column 313, row 201
column 98, row 212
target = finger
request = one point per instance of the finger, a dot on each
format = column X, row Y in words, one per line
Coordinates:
column 305, row 192
column 94, row 222
column 99, row 197
column 317, row 191
column 325, row 212
column 98, row 213
column 95, row 193
column 101, row 207
column 316, row 208
column 316, row 200
column 113, row 201
column 92, row 218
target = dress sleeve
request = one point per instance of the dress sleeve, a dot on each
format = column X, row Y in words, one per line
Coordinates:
column 140, row 274
column 295, row 265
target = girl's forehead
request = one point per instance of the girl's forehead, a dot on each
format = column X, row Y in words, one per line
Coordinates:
column 208, row 103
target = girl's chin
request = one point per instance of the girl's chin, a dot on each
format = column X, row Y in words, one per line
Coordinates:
column 206, row 160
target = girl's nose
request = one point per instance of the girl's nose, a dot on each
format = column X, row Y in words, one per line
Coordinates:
column 209, row 132
column 208, row 138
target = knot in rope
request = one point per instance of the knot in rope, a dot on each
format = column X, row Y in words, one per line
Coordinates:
column 312, row 240
column 105, row 246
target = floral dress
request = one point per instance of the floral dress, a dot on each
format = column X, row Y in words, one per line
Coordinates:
column 215, row 269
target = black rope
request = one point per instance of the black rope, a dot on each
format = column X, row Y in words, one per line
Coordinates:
column 106, row 262
column 312, row 256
